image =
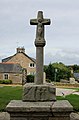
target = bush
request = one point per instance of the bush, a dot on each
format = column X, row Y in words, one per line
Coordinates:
column 6, row 81
column 30, row 78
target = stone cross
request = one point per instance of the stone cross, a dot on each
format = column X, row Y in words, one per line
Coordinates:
column 39, row 43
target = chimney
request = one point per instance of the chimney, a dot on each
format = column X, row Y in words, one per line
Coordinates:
column 20, row 50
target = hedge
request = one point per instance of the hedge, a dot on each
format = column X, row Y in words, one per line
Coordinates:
column 66, row 84
column 30, row 78
column 6, row 81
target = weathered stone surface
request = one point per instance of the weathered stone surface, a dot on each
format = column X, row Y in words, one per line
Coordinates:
column 62, row 105
column 20, row 106
column 62, row 109
column 72, row 80
column 4, row 116
column 74, row 116
column 39, row 43
column 40, row 22
column 44, row 92
column 20, row 110
column 39, row 65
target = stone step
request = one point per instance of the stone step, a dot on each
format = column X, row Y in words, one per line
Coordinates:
column 4, row 116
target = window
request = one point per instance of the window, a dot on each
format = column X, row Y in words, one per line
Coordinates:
column 6, row 76
column 32, row 65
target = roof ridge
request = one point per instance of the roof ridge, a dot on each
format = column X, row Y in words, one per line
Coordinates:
column 9, row 63
column 17, row 53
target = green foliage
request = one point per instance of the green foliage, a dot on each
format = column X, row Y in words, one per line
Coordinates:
column 57, row 71
column 75, row 68
column 66, row 85
column 49, row 70
column 8, row 93
column 6, row 81
column 30, row 78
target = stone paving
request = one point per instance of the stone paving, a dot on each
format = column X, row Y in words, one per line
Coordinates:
column 64, row 92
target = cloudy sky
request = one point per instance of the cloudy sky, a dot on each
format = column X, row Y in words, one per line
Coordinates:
column 62, row 36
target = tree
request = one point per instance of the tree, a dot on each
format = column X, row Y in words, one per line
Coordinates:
column 49, row 70
column 63, row 72
column 75, row 68
column 57, row 71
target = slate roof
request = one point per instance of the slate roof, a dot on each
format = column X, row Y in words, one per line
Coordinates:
column 10, row 68
column 8, row 58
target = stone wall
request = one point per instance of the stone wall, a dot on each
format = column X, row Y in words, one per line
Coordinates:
column 24, row 61
column 16, row 78
column 1, row 76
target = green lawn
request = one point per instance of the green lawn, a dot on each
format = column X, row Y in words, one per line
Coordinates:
column 8, row 93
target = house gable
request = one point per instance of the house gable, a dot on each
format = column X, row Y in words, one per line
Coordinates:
column 24, row 60
column 11, row 57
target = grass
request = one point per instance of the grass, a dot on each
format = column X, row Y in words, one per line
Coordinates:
column 8, row 93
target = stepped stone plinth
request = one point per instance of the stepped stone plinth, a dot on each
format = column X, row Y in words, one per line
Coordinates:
column 58, row 110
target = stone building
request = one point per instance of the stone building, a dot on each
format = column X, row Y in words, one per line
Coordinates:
column 24, row 60
column 17, row 66
column 11, row 71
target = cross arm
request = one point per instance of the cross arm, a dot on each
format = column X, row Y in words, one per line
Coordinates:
column 46, row 22
column 33, row 22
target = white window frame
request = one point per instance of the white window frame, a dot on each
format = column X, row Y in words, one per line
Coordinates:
column 4, row 77
column 31, row 65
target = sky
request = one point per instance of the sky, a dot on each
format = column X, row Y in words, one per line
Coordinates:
column 62, row 35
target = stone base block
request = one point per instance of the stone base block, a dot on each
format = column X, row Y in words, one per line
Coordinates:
column 58, row 110
column 74, row 116
column 44, row 92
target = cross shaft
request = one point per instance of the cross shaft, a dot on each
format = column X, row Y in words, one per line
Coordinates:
column 39, row 43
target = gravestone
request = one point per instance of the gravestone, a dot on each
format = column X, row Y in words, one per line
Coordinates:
column 44, row 77
column 72, row 80
column 39, row 98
